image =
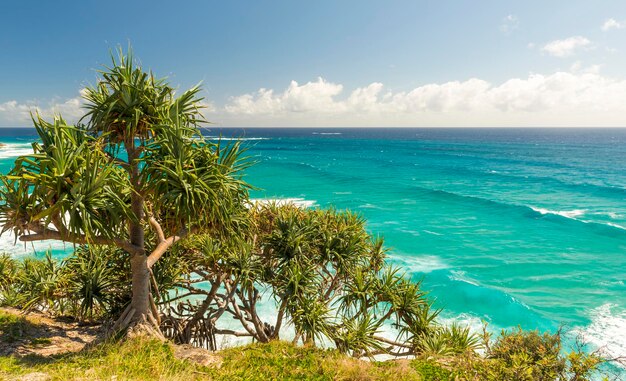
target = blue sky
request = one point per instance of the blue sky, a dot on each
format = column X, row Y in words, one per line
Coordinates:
column 413, row 63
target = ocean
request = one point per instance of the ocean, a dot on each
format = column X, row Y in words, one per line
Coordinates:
column 515, row 227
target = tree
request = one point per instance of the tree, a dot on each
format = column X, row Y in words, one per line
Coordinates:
column 134, row 173
column 324, row 278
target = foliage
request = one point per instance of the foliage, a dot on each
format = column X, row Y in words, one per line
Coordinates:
column 448, row 340
column 90, row 285
column 431, row 371
column 518, row 349
column 42, row 284
column 9, row 294
column 326, row 275
column 136, row 162
column 528, row 356
column 95, row 283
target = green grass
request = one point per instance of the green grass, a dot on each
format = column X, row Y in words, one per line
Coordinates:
column 283, row 361
column 13, row 327
column 40, row 341
column 153, row 360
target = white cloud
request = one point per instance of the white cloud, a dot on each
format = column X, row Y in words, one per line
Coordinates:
column 17, row 114
column 566, row 47
column 316, row 95
column 612, row 24
column 581, row 96
column 509, row 24
column 573, row 98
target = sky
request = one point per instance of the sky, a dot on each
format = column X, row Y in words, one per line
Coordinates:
column 345, row 63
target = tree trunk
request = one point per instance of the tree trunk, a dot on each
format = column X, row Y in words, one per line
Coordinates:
column 140, row 284
column 138, row 319
column 139, row 262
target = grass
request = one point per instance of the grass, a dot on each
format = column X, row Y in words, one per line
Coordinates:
column 151, row 360
column 133, row 360
column 13, row 327
column 141, row 359
column 154, row 360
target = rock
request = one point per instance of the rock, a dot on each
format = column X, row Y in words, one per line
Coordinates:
column 198, row 356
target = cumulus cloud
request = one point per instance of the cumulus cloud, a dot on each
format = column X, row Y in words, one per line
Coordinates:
column 581, row 96
column 578, row 97
column 310, row 96
column 566, row 47
column 612, row 24
column 17, row 114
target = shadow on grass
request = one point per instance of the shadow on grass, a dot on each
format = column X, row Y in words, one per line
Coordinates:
column 26, row 339
column 15, row 328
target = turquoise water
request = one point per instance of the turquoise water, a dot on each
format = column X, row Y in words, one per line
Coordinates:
column 511, row 226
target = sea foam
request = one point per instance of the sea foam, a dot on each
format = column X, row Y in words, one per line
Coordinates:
column 563, row 213
column 8, row 244
column 15, row 149
column 419, row 264
column 607, row 330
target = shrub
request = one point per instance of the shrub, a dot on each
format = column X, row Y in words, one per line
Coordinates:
column 9, row 295
column 529, row 356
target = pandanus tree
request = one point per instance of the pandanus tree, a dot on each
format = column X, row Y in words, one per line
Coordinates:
column 135, row 173
column 314, row 275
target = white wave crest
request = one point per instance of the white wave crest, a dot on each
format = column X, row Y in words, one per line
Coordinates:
column 419, row 263
column 8, row 150
column 616, row 226
column 461, row 276
column 563, row 213
column 607, row 330
column 300, row 202
column 432, row 232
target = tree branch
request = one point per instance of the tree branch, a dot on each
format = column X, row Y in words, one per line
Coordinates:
column 231, row 332
column 81, row 240
column 162, row 247
column 117, row 161
column 392, row 342
column 279, row 319
column 157, row 228
column 58, row 223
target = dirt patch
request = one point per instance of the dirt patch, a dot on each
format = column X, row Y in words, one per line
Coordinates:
column 40, row 335
column 37, row 334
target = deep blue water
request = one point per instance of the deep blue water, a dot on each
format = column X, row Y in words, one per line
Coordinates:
column 512, row 226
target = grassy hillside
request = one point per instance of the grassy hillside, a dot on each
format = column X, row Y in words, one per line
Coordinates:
column 36, row 348
column 151, row 360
